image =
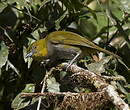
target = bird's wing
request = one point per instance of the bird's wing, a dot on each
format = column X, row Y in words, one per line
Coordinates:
column 69, row 38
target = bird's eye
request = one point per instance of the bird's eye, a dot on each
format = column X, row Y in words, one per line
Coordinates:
column 34, row 47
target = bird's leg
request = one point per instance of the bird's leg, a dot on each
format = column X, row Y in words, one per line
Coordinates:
column 72, row 61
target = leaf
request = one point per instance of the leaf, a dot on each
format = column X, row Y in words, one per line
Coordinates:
column 19, row 102
column 87, row 27
column 22, row 102
column 72, row 4
column 8, row 16
column 63, row 74
column 121, row 88
column 52, row 85
column 98, row 67
column 3, row 55
column 128, row 97
column 21, row 3
column 29, row 88
column 126, row 5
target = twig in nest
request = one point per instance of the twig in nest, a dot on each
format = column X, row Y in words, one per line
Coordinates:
column 78, row 101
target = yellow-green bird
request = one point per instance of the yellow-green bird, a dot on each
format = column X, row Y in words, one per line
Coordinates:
column 60, row 45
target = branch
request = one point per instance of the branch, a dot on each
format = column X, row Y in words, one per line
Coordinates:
column 78, row 101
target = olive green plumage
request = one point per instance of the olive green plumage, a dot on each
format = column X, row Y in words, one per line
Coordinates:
column 63, row 45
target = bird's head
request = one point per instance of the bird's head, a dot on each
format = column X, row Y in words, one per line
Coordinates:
column 37, row 50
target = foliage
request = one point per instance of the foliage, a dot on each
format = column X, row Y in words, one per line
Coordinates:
column 24, row 21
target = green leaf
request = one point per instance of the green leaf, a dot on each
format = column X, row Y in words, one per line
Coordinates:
column 8, row 16
column 29, row 88
column 21, row 102
column 3, row 55
column 126, row 5
column 128, row 97
column 98, row 67
column 52, row 85
column 72, row 5
column 87, row 27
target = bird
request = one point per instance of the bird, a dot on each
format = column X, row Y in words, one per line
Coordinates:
column 64, row 45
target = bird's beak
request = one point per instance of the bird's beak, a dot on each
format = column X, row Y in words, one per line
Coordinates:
column 29, row 54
